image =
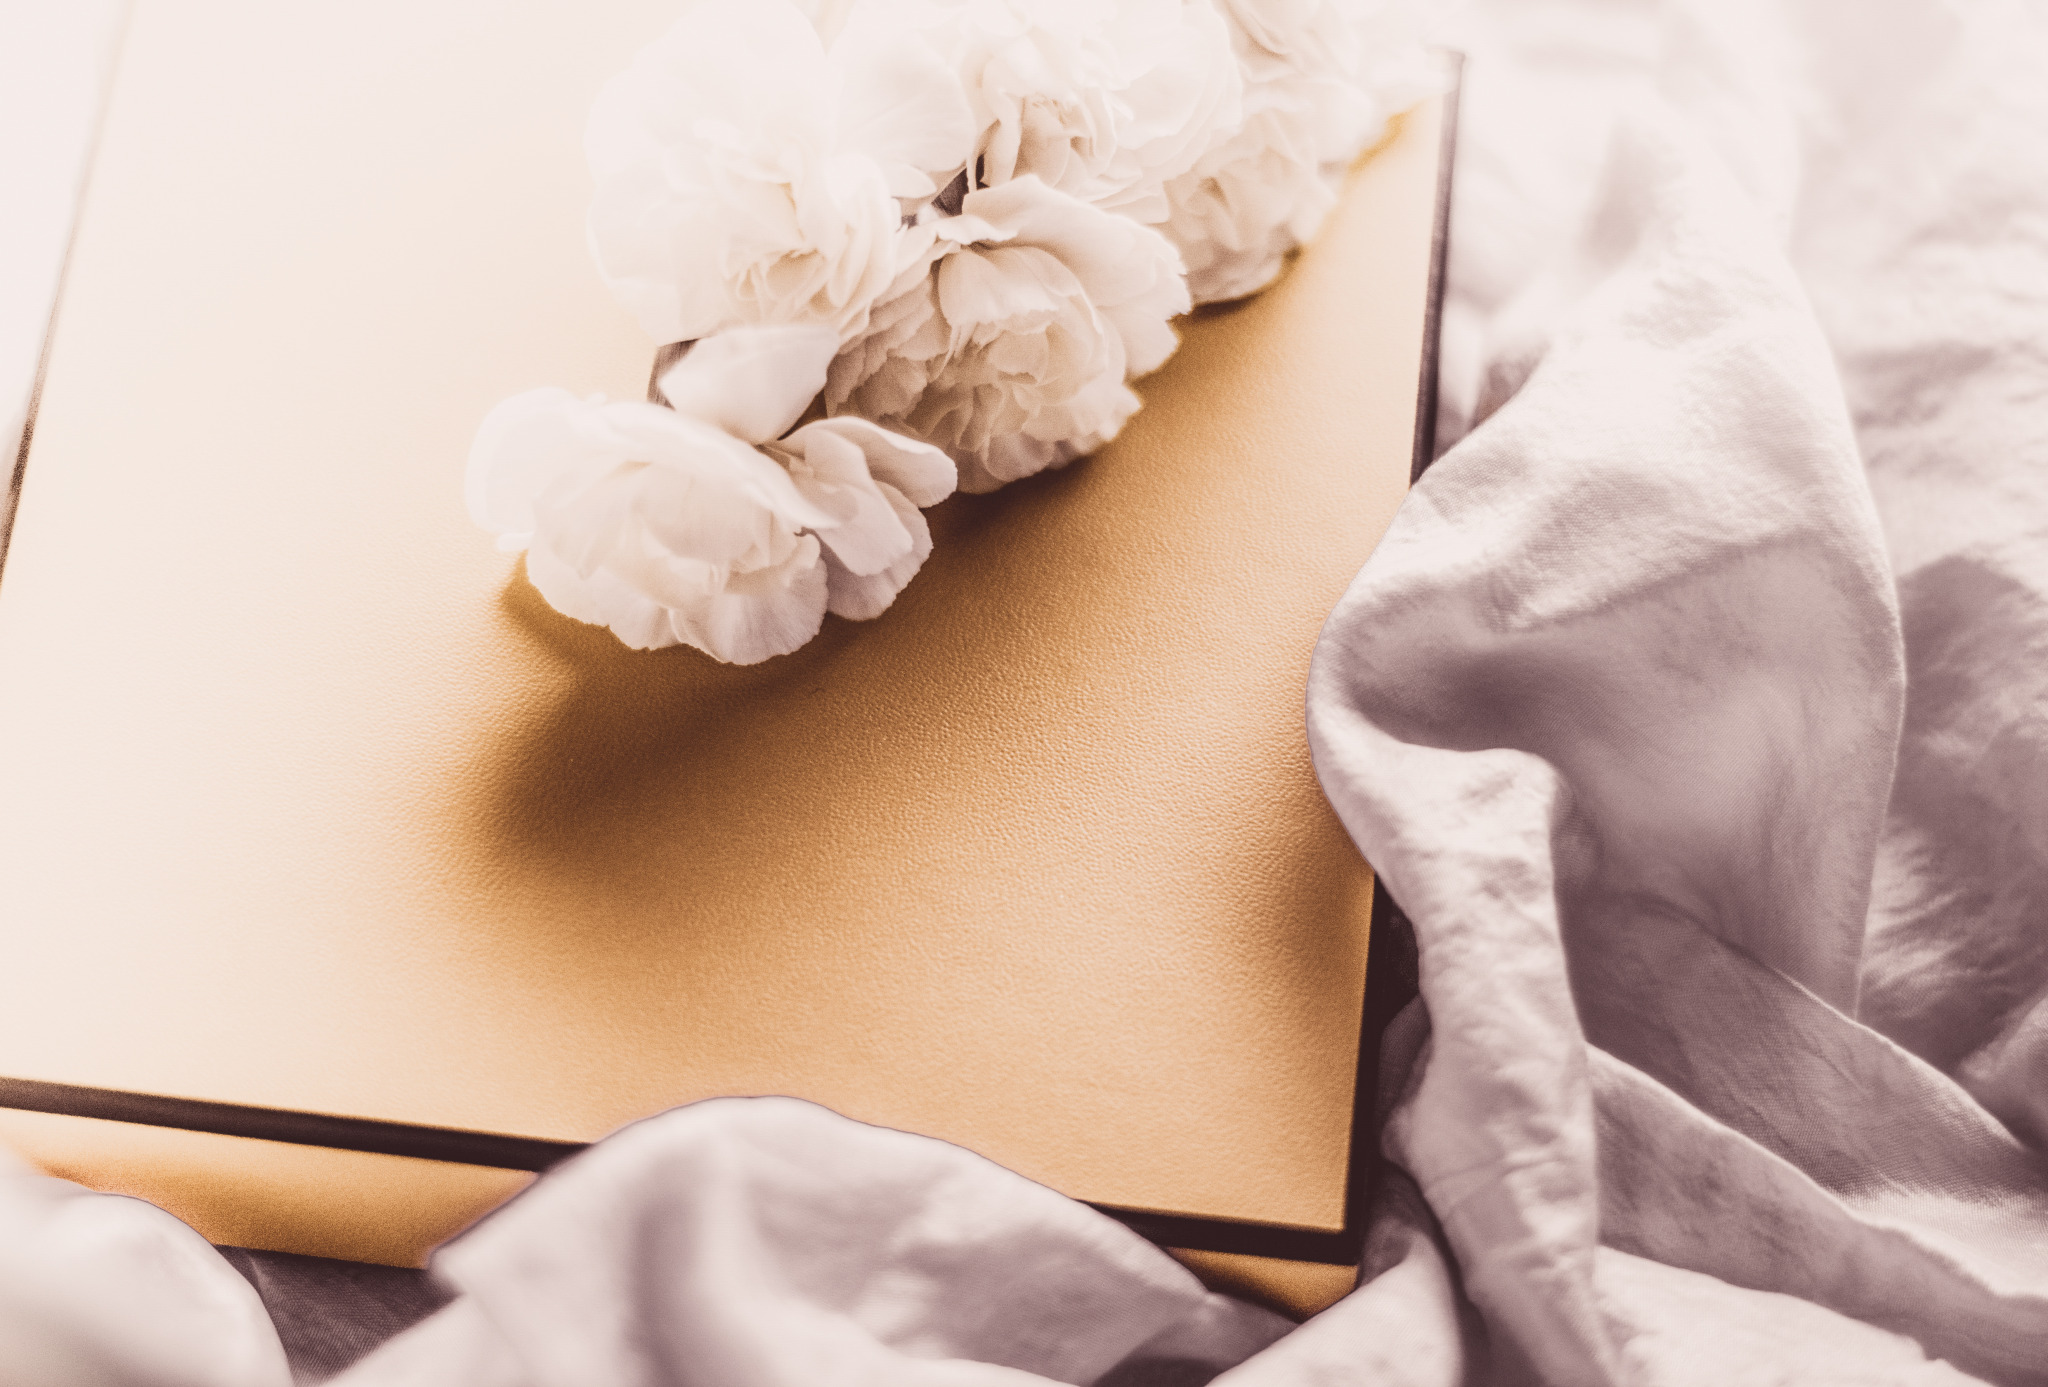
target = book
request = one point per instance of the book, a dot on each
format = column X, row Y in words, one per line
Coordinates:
column 347, row 884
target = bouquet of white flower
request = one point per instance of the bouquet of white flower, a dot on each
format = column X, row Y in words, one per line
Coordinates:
column 952, row 231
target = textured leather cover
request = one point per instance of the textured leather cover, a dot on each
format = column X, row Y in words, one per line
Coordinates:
column 307, row 801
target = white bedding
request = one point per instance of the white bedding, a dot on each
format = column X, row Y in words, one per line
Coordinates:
column 1694, row 711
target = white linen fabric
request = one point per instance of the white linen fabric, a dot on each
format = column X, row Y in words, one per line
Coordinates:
column 1617, row 705
column 1695, row 709
column 100, row 1291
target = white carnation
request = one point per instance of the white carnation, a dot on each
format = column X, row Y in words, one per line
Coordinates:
column 1103, row 99
column 671, row 526
column 744, row 175
column 1321, row 77
column 1246, row 206
column 873, row 483
column 828, row 17
column 1008, row 338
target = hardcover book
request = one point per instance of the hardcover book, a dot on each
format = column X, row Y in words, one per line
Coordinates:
column 347, row 884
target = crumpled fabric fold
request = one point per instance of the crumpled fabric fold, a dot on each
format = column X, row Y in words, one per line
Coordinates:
column 766, row 1242
column 1716, row 877
column 97, row 1290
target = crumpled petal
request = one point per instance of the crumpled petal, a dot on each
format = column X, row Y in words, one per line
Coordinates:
column 708, row 156
column 668, row 528
column 877, row 480
column 1104, row 99
column 898, row 101
column 1007, row 339
column 661, row 526
column 864, row 596
column 745, row 176
column 1321, row 79
column 763, row 613
column 924, row 474
column 523, row 446
column 865, row 536
column 753, row 382
column 1131, row 275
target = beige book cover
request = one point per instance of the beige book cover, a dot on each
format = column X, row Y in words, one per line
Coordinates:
column 309, row 805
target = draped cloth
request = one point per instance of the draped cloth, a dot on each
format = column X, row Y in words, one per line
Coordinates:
column 1687, row 707
column 1693, row 711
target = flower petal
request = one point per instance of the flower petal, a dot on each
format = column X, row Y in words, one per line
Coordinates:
column 1107, row 99
column 1011, row 351
column 523, row 446
column 862, row 597
column 661, row 526
column 899, row 102
column 924, row 474
column 765, row 613
column 1131, row 273
column 831, row 471
column 753, row 382
column 721, row 197
column 670, row 439
column 600, row 598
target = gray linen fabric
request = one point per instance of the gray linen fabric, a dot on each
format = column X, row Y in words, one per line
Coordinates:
column 329, row 1313
column 1616, row 706
column 1696, row 711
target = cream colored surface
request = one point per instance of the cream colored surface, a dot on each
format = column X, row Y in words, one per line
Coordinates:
column 307, row 801
column 1296, row 1289
column 243, row 1193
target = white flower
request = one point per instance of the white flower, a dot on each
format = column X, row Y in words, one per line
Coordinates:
column 1103, row 99
column 1320, row 79
column 828, row 17
column 1248, row 204
column 746, row 176
column 671, row 526
column 1353, row 63
column 872, row 482
column 1008, row 338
